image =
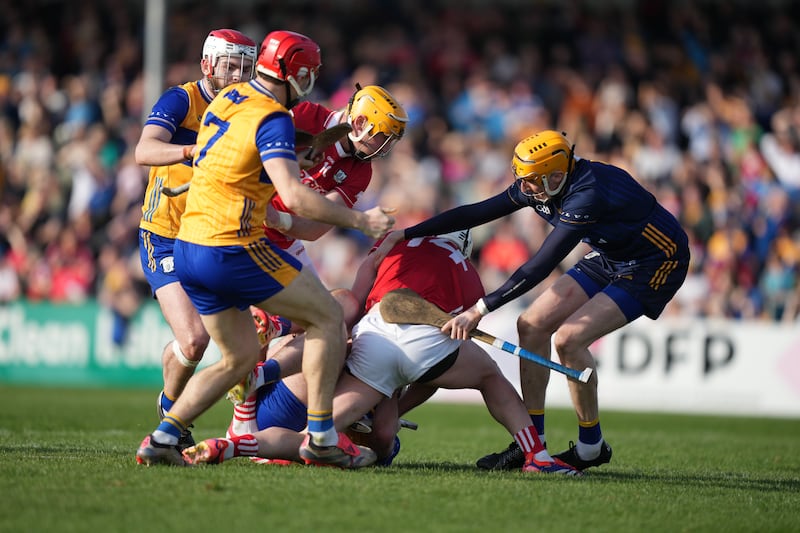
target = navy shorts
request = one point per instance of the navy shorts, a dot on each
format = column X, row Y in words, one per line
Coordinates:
column 277, row 406
column 640, row 287
column 158, row 263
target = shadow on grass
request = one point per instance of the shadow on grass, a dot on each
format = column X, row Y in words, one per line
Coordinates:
column 725, row 480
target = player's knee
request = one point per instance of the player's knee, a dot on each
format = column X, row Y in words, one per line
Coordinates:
column 530, row 329
column 567, row 345
column 189, row 353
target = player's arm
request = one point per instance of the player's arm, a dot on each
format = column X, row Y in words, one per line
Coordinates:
column 554, row 249
column 307, row 229
column 365, row 278
column 281, row 167
column 154, row 147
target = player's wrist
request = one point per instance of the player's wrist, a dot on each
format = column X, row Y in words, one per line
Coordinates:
column 285, row 221
column 480, row 305
column 187, row 152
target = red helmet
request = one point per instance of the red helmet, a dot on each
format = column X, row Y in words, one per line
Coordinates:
column 290, row 57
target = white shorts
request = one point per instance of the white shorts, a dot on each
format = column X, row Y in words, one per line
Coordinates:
column 297, row 249
column 388, row 356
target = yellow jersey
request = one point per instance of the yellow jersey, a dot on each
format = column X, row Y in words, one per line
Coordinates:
column 161, row 214
column 227, row 202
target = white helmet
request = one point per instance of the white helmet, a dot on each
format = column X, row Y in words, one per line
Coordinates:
column 462, row 239
column 229, row 43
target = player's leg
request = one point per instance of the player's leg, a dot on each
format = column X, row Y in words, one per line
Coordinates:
column 181, row 357
column 536, row 326
column 306, row 302
column 234, row 334
column 474, row 369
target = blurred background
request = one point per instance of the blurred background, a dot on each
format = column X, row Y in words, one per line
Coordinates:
column 699, row 100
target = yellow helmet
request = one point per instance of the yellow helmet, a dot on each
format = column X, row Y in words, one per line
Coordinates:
column 382, row 115
column 538, row 156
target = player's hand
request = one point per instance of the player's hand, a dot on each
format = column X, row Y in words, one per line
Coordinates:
column 461, row 325
column 386, row 246
column 377, row 221
column 308, row 158
column 277, row 219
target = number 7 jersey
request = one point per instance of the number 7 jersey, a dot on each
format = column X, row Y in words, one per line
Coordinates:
column 227, row 202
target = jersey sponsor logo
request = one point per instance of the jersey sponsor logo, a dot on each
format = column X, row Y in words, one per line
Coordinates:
column 542, row 208
column 167, row 264
column 311, row 183
column 576, row 216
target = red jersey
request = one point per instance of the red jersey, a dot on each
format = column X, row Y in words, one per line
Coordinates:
column 337, row 171
column 434, row 268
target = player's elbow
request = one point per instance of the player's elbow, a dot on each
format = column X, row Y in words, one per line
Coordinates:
column 140, row 155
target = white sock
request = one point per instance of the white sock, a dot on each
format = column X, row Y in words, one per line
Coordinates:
column 587, row 452
column 162, row 437
column 325, row 438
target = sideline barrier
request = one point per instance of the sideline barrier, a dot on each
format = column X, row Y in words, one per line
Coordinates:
column 668, row 365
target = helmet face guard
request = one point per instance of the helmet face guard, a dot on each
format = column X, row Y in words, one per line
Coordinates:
column 231, row 56
column 378, row 121
column 291, row 58
column 545, row 160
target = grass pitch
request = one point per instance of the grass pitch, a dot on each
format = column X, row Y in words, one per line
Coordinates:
column 67, row 464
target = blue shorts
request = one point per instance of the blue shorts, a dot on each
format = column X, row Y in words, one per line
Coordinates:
column 277, row 406
column 155, row 253
column 641, row 287
column 217, row 278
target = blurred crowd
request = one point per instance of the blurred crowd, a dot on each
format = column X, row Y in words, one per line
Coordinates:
column 700, row 101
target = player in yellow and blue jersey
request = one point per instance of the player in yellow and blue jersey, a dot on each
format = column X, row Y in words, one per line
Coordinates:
column 166, row 144
column 245, row 154
column 639, row 259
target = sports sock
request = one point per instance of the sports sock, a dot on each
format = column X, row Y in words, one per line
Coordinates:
column 270, row 372
column 241, row 446
column 537, row 419
column 244, row 418
column 283, row 325
column 590, row 439
column 320, row 426
column 529, row 442
column 169, row 430
column 166, row 402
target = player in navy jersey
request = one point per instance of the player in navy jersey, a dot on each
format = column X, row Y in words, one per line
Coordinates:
column 639, row 258
column 166, row 144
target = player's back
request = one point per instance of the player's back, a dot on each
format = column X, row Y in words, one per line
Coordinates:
column 227, row 203
column 434, row 268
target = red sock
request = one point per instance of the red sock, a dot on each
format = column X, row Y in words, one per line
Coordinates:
column 244, row 446
column 528, row 440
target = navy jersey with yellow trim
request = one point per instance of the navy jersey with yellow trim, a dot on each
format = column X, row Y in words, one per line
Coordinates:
column 611, row 211
column 601, row 205
column 227, row 203
column 179, row 111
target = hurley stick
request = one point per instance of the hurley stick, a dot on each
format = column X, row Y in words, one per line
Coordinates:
column 404, row 306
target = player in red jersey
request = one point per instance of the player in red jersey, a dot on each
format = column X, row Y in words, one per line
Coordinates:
column 341, row 172
column 386, row 357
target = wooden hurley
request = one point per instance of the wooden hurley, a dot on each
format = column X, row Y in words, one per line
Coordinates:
column 404, row 306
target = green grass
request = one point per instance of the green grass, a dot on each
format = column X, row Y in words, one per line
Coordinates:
column 67, row 464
